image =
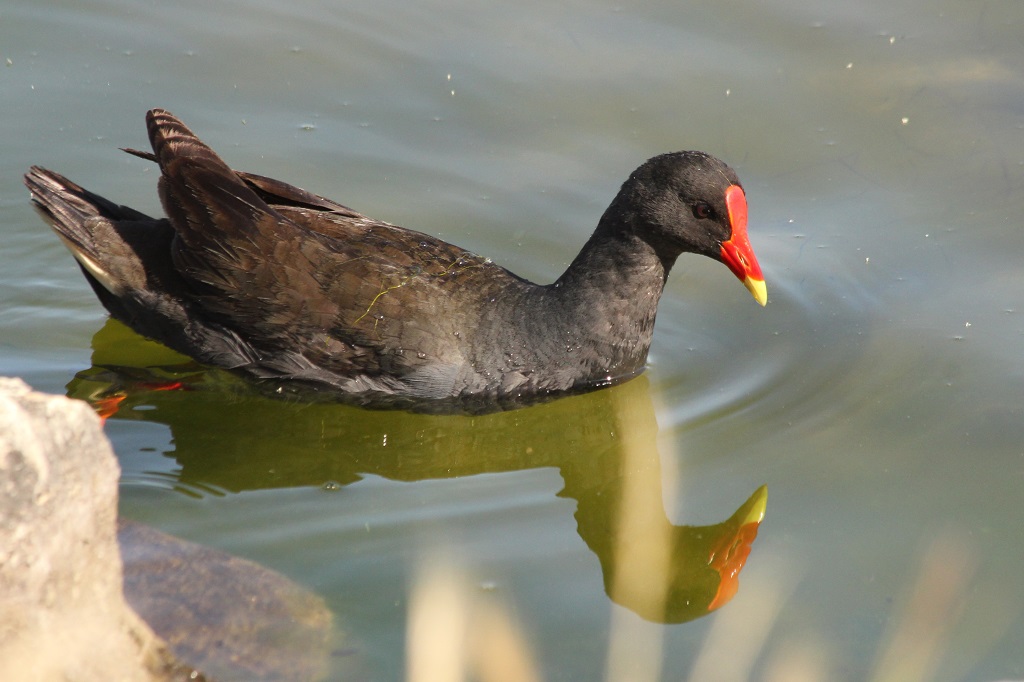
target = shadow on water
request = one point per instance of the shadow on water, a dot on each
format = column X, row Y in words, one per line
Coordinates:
column 229, row 438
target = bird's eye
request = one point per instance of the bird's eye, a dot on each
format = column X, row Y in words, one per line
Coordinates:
column 702, row 210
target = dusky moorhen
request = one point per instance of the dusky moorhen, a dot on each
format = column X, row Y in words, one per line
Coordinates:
column 252, row 274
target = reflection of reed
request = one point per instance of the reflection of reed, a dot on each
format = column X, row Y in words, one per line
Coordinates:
column 917, row 639
column 913, row 649
column 741, row 637
column 453, row 630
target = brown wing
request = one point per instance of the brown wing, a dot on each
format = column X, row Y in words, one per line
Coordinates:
column 289, row 270
column 273, row 191
column 388, row 287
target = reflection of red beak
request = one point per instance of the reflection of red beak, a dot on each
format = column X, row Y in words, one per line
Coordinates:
column 730, row 553
column 737, row 252
column 108, row 407
column 728, row 560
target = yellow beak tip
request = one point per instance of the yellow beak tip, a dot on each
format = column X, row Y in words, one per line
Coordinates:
column 759, row 506
column 757, row 288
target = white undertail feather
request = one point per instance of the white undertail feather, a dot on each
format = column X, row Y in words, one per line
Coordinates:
column 93, row 268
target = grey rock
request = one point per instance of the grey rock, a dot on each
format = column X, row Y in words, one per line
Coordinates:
column 63, row 615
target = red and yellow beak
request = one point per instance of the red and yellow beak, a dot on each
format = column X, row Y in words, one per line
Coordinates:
column 737, row 252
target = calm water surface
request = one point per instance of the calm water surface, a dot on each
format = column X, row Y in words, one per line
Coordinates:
column 880, row 395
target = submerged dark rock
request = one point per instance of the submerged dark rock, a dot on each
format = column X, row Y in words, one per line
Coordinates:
column 230, row 617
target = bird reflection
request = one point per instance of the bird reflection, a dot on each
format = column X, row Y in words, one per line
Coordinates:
column 231, row 438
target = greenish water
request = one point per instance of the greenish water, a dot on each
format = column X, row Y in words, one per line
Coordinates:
column 880, row 395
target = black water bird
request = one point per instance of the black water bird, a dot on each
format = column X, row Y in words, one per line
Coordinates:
column 255, row 275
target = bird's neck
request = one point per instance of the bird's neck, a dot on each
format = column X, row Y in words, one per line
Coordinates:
column 608, row 297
